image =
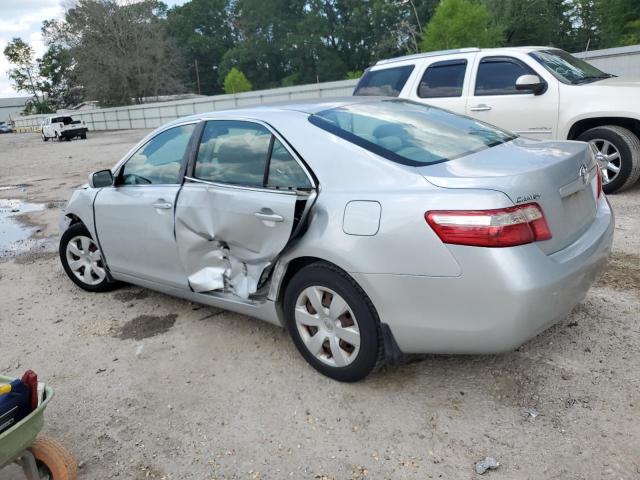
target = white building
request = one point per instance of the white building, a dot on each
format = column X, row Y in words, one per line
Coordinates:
column 11, row 108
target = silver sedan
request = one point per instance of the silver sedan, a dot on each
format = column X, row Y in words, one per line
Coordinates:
column 369, row 228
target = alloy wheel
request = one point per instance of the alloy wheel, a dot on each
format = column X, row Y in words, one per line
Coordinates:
column 85, row 260
column 327, row 326
column 608, row 158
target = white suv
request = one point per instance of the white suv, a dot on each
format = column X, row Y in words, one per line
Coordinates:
column 537, row 92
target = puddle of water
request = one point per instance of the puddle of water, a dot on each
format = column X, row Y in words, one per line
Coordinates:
column 14, row 236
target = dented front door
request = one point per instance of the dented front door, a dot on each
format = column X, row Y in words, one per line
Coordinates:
column 237, row 209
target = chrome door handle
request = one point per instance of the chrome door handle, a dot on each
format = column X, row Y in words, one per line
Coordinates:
column 269, row 217
column 480, row 108
column 162, row 205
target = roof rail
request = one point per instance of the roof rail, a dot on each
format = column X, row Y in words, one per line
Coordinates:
column 417, row 56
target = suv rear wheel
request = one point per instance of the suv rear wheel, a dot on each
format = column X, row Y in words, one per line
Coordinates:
column 618, row 155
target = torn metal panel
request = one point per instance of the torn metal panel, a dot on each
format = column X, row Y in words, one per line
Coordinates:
column 227, row 236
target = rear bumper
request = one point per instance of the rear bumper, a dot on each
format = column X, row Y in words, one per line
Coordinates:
column 504, row 296
column 74, row 132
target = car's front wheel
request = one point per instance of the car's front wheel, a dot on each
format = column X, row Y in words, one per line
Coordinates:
column 333, row 323
column 82, row 260
column 618, row 154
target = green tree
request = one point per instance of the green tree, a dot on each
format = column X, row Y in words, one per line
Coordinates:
column 461, row 23
column 24, row 73
column 56, row 69
column 631, row 34
column 203, row 32
column 534, row 22
column 121, row 50
column 619, row 22
column 236, row 82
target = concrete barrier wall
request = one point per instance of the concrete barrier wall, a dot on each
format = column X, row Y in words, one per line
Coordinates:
column 152, row 115
column 622, row 61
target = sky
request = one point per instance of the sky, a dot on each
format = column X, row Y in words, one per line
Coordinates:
column 23, row 18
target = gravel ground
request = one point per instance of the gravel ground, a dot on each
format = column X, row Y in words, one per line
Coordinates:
column 148, row 386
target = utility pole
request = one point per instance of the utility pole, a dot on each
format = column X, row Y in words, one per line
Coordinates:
column 198, row 77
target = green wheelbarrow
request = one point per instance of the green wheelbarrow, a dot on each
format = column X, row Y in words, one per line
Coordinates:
column 40, row 458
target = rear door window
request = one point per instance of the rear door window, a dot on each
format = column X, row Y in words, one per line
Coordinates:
column 247, row 154
column 498, row 75
column 443, row 79
column 387, row 82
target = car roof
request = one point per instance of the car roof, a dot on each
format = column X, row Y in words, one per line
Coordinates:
column 439, row 53
column 309, row 107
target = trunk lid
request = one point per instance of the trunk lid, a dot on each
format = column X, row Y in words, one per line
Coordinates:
column 561, row 177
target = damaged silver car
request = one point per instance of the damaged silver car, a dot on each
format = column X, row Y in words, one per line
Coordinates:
column 367, row 227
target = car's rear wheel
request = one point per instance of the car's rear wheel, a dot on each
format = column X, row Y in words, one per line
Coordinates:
column 83, row 136
column 82, row 260
column 333, row 323
column 618, row 155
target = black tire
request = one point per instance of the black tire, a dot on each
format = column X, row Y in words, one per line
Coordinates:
column 628, row 146
column 83, row 136
column 79, row 230
column 45, row 138
column 371, row 351
column 59, row 137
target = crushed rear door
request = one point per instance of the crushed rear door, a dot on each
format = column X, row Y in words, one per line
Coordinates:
column 228, row 236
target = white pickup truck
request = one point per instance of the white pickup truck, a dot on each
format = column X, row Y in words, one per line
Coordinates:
column 63, row 127
column 537, row 92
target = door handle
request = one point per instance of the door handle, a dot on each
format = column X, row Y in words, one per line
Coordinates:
column 480, row 108
column 162, row 204
column 269, row 217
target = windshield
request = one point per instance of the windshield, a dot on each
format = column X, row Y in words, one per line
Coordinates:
column 408, row 132
column 567, row 68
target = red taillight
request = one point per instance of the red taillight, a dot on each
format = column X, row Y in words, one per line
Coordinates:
column 599, row 181
column 503, row 227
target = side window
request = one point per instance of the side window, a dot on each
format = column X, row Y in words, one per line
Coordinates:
column 237, row 152
column 386, row 82
column 233, row 152
column 158, row 161
column 443, row 79
column 498, row 75
column 284, row 171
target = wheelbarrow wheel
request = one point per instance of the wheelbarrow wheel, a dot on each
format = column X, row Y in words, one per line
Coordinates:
column 52, row 456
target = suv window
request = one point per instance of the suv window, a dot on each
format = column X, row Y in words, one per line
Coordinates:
column 498, row 75
column 159, row 160
column 387, row 82
column 443, row 79
column 237, row 152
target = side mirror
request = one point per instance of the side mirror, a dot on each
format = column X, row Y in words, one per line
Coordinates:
column 531, row 83
column 103, row 178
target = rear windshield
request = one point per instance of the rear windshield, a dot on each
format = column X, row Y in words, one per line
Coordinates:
column 65, row 120
column 408, row 132
column 384, row 83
